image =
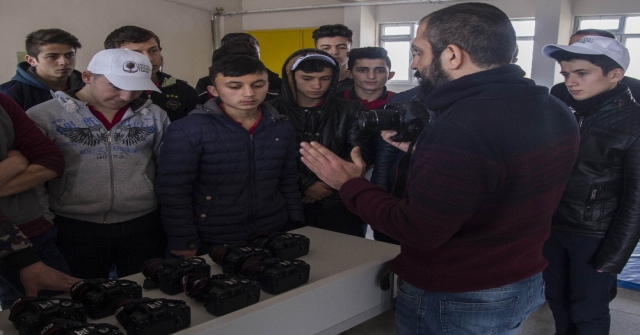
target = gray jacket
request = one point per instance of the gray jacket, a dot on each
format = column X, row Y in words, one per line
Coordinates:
column 109, row 175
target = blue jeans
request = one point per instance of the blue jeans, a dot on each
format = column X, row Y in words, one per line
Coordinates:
column 45, row 248
column 494, row 311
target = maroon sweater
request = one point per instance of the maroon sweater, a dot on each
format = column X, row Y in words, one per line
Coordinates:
column 484, row 182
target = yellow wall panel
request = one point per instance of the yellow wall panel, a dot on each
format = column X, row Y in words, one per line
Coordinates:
column 277, row 45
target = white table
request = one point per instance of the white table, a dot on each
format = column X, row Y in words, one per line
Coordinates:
column 343, row 291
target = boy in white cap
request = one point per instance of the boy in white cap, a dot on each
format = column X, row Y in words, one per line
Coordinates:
column 105, row 206
column 597, row 223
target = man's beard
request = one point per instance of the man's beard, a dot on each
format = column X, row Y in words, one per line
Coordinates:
column 433, row 76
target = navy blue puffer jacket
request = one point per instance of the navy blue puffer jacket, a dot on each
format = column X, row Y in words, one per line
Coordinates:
column 217, row 183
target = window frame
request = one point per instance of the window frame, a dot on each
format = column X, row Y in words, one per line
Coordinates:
column 399, row 38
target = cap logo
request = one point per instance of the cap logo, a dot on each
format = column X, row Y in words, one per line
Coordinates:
column 130, row 67
column 586, row 40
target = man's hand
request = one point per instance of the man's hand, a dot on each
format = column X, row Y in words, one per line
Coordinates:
column 315, row 192
column 186, row 254
column 388, row 134
column 38, row 276
column 333, row 170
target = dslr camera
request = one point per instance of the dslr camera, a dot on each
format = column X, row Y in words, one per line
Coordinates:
column 30, row 314
column 167, row 273
column 68, row 327
column 222, row 294
column 98, row 295
column 231, row 258
column 285, row 246
column 146, row 316
column 276, row 275
column 396, row 117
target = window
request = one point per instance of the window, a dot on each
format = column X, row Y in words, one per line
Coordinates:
column 396, row 39
column 625, row 28
column 525, row 30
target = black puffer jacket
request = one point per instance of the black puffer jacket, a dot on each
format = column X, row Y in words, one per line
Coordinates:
column 602, row 197
column 218, row 184
column 334, row 124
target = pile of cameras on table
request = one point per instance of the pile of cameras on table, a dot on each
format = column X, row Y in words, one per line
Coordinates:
column 267, row 261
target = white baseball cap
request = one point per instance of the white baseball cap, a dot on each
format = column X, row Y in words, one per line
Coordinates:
column 312, row 56
column 594, row 45
column 125, row 69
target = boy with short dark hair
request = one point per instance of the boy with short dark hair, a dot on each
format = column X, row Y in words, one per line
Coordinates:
column 336, row 40
column 49, row 66
column 370, row 69
column 229, row 169
column 595, row 227
column 309, row 99
column 176, row 96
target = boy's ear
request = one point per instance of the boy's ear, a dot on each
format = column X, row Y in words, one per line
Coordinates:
column 391, row 74
column 31, row 60
column 212, row 89
column 616, row 75
column 349, row 74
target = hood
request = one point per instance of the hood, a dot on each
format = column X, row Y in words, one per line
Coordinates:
column 25, row 75
column 288, row 91
column 72, row 104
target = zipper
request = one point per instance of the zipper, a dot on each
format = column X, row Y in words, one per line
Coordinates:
column 252, row 177
column 580, row 120
column 588, row 213
column 109, row 144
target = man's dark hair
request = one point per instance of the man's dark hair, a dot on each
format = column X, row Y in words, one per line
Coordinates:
column 313, row 65
column 482, row 30
column 129, row 34
column 42, row 37
column 238, row 37
column 603, row 62
column 235, row 48
column 235, row 66
column 596, row 32
column 332, row 30
column 367, row 53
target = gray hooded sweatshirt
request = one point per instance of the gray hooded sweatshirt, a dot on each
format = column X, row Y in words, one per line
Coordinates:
column 109, row 175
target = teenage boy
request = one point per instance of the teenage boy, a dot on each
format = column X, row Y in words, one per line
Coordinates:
column 228, row 170
column 560, row 90
column 27, row 159
column 370, row 69
column 49, row 66
column 105, row 206
column 308, row 99
column 336, row 40
column 175, row 96
column 274, row 80
column 595, row 228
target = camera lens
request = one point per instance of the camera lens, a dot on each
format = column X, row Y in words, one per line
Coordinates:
column 151, row 269
column 379, row 119
column 194, row 284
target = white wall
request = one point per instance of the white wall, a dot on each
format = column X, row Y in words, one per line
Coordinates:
column 185, row 33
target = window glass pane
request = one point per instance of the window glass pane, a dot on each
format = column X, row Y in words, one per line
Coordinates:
column 399, row 54
column 633, row 44
column 599, row 24
column 633, row 25
column 397, row 30
column 524, row 28
column 525, row 56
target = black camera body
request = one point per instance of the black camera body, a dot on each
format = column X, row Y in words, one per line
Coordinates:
column 276, row 275
column 285, row 246
column 167, row 273
column 223, row 294
column 396, row 117
column 68, row 327
column 148, row 316
column 231, row 258
column 99, row 295
column 30, row 314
